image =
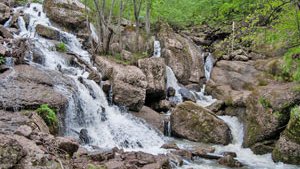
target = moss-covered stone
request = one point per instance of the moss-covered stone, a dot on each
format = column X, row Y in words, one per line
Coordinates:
column 196, row 123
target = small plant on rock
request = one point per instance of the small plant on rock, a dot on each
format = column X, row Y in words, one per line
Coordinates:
column 49, row 116
column 61, row 47
column 2, row 60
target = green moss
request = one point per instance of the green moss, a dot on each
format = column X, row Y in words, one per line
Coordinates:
column 2, row 59
column 61, row 47
column 264, row 102
column 49, row 116
column 293, row 128
column 262, row 82
column 92, row 166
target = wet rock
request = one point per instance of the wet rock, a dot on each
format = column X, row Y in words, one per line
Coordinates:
column 151, row 117
column 196, row 123
column 200, row 151
column 182, row 55
column 183, row 153
column 267, row 113
column 171, row 92
column 229, row 161
column 128, row 83
column 4, row 13
column 187, row 95
column 11, row 152
column 5, row 33
column 24, row 130
column 2, row 50
column 216, row 106
column 95, row 76
column 47, row 32
column 155, row 71
column 68, row 145
column 232, row 154
column 170, row 146
column 175, row 160
column 162, row 105
column 106, row 86
column 19, row 85
column 287, row 148
column 66, row 13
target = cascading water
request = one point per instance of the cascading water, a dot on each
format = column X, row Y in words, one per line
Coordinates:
column 157, row 49
column 202, row 99
column 88, row 107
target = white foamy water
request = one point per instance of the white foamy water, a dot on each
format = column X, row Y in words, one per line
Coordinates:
column 88, row 108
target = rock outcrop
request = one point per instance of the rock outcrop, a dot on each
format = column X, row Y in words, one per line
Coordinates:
column 151, row 117
column 129, row 83
column 287, row 148
column 18, row 85
column 66, row 13
column 196, row 123
column 182, row 55
column 155, row 71
column 267, row 113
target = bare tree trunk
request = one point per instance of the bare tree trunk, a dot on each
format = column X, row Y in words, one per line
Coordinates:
column 104, row 23
column 137, row 9
column 148, row 10
column 119, row 24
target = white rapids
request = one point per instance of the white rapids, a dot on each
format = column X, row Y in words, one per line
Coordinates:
column 88, row 108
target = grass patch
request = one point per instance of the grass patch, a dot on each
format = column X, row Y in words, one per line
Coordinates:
column 61, row 47
column 132, row 61
column 49, row 116
column 264, row 102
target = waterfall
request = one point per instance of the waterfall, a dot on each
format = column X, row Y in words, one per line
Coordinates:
column 157, row 49
column 172, row 82
column 88, row 108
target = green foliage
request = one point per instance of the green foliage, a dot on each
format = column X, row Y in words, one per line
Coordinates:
column 49, row 116
column 292, row 64
column 264, row 102
column 2, row 60
column 61, row 47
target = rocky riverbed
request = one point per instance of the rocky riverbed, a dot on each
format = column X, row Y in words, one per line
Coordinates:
column 114, row 113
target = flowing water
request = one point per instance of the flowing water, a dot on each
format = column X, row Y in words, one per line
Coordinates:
column 88, row 107
column 106, row 124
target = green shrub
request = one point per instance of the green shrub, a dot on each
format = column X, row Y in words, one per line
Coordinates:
column 61, row 47
column 264, row 102
column 2, row 60
column 291, row 65
column 49, row 116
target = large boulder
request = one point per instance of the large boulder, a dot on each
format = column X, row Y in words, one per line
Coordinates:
column 128, row 83
column 267, row 113
column 233, row 81
column 151, row 117
column 195, row 123
column 47, row 32
column 11, row 152
column 182, row 55
column 287, row 148
column 67, row 13
column 155, row 71
column 27, row 87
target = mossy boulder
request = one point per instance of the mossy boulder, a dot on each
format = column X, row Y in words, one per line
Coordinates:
column 195, row 123
column 267, row 113
column 287, row 148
